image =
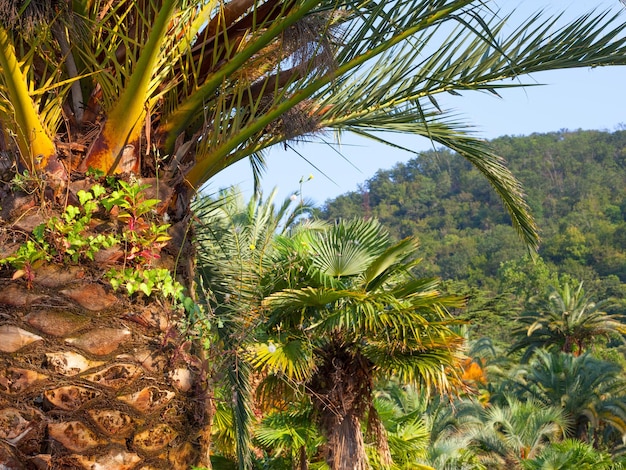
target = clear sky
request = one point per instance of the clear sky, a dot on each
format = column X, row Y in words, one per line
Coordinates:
column 572, row 99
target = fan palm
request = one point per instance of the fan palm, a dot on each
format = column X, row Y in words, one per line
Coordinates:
column 568, row 320
column 350, row 311
column 173, row 91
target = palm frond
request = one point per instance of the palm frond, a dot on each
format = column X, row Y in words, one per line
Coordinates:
column 292, row 359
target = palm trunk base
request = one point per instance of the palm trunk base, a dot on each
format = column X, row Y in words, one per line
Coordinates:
column 346, row 448
column 91, row 380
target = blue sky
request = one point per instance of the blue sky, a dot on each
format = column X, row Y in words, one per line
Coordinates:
column 572, row 99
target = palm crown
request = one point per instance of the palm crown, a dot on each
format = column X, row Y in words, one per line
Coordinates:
column 568, row 320
column 192, row 86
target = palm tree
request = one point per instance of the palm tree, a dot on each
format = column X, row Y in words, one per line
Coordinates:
column 508, row 435
column 568, row 321
column 172, row 92
column 572, row 453
column 350, row 312
column 592, row 392
column 235, row 248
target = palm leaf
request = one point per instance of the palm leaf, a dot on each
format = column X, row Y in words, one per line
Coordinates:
column 292, row 359
column 33, row 139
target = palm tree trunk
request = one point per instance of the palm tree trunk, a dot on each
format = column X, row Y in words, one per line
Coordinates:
column 342, row 394
column 89, row 379
column 346, row 446
column 303, row 459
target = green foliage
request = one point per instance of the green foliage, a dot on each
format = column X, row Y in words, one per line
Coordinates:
column 572, row 454
column 70, row 239
column 146, row 281
column 566, row 320
column 592, row 392
column 574, row 185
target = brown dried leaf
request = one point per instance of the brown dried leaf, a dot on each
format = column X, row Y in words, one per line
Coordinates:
column 182, row 379
column 17, row 296
column 70, row 363
column 53, row 275
column 148, row 399
column 113, row 422
column 55, row 322
column 100, row 341
column 12, row 423
column 115, row 376
column 114, row 459
column 14, row 380
column 90, row 296
column 154, row 439
column 150, row 360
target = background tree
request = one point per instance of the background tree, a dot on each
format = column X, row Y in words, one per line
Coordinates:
column 567, row 320
column 235, row 251
column 508, row 435
column 591, row 391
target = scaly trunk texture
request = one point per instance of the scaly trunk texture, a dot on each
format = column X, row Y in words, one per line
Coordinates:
column 346, row 446
column 94, row 380
column 87, row 380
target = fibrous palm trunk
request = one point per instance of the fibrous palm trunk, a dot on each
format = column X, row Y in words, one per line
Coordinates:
column 94, row 380
column 342, row 394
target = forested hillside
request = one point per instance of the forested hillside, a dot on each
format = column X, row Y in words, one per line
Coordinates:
column 575, row 184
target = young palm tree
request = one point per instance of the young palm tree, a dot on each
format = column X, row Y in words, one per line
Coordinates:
column 572, row 453
column 592, row 392
column 568, row 321
column 173, row 91
column 508, row 435
column 236, row 246
column 350, row 312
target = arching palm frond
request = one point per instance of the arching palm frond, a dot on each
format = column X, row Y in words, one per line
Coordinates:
column 568, row 320
column 203, row 84
column 590, row 391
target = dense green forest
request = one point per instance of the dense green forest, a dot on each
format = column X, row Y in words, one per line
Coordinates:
column 575, row 185
column 330, row 330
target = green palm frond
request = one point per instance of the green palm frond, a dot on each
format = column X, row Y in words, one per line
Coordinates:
column 19, row 112
column 582, row 385
column 394, row 255
column 236, row 245
column 518, row 430
column 567, row 320
column 347, row 248
column 292, row 359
